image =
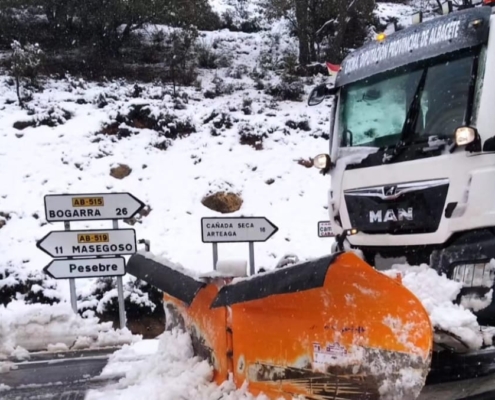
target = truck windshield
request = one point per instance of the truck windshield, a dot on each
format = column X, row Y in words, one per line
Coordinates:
column 373, row 111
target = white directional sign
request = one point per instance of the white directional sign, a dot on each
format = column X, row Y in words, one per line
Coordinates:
column 325, row 229
column 240, row 229
column 100, row 242
column 86, row 268
column 91, row 207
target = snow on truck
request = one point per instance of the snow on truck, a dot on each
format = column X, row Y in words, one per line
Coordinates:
column 412, row 150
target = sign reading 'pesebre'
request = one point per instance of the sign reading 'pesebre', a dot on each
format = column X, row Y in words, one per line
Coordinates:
column 86, row 268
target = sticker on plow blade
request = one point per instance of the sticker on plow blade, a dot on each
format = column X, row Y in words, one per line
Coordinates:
column 325, row 229
column 241, row 229
column 91, row 207
column 86, row 268
column 330, row 328
column 103, row 242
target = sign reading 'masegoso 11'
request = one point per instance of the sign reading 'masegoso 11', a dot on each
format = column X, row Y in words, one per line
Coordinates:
column 102, row 242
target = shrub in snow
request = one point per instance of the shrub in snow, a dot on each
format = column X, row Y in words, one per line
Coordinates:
column 174, row 127
column 34, row 287
column 302, row 124
column 318, row 133
column 286, row 91
column 246, row 106
column 209, row 57
column 180, row 60
column 163, row 144
column 4, row 217
column 179, row 104
column 53, row 116
column 220, row 88
column 143, row 305
column 237, row 72
column 25, row 63
column 221, row 121
column 142, row 116
column 252, row 135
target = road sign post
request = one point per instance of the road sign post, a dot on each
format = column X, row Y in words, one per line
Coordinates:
column 90, row 253
column 216, row 230
column 72, row 282
column 120, row 290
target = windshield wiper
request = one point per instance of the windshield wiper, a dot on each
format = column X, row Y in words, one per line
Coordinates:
column 412, row 116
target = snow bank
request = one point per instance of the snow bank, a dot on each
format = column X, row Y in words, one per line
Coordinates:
column 437, row 294
column 41, row 327
column 165, row 370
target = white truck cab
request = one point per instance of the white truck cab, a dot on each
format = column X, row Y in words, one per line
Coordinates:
column 412, row 148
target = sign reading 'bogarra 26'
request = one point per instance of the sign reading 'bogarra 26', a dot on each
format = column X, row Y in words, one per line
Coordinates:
column 103, row 242
column 240, row 229
column 432, row 38
column 91, row 207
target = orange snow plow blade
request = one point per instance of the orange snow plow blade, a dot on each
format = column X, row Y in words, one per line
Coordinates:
column 332, row 328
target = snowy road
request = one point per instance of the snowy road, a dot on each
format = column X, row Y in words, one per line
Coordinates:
column 70, row 376
column 73, row 391
column 163, row 372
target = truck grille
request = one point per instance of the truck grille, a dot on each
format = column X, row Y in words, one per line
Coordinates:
column 414, row 207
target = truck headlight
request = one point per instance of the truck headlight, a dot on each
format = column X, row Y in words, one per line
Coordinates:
column 464, row 135
column 469, row 137
column 322, row 161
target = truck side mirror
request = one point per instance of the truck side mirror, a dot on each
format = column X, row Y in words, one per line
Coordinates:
column 320, row 93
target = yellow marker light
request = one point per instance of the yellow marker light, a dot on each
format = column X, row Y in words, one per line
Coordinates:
column 381, row 37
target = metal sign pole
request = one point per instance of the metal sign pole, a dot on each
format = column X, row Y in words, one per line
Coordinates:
column 72, row 281
column 120, row 291
column 215, row 256
column 251, row 258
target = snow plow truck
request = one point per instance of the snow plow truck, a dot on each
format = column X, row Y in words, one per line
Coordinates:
column 412, row 167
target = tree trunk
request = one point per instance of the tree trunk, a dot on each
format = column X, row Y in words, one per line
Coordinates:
column 302, row 31
column 18, row 90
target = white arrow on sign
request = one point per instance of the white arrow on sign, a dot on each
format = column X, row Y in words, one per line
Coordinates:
column 86, row 268
column 91, row 206
column 240, row 229
column 325, row 229
column 99, row 242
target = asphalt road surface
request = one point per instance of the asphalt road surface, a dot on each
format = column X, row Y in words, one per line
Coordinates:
column 68, row 377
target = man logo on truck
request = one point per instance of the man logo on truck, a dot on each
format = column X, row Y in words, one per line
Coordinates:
column 390, row 190
column 400, row 214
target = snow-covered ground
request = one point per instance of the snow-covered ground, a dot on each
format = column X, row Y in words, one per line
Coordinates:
column 172, row 177
column 165, row 369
